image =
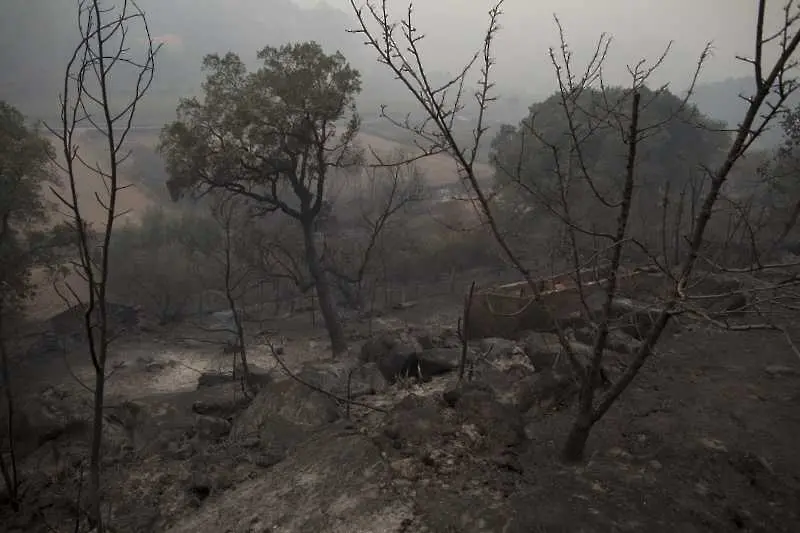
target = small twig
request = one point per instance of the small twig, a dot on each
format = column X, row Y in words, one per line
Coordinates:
column 189, row 367
column 314, row 387
column 464, row 329
column 792, row 344
column 476, row 360
column 349, row 386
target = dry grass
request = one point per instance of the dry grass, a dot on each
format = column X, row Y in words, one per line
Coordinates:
column 439, row 169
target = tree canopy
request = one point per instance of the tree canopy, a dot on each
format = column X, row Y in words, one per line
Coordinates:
column 270, row 135
column 784, row 183
column 273, row 137
column 778, row 190
column 25, row 167
column 676, row 141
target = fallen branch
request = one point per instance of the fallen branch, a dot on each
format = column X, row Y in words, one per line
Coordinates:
column 336, row 397
column 792, row 344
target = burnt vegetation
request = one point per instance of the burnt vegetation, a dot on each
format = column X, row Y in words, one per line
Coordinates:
column 261, row 313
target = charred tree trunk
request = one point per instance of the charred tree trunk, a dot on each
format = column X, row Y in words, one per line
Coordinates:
column 324, row 294
column 576, row 441
column 235, row 313
column 574, row 446
column 86, row 93
column 97, row 444
column 9, row 471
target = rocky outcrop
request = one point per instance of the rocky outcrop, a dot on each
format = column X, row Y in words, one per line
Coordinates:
column 46, row 417
column 284, row 414
column 335, row 482
column 398, row 354
column 345, row 379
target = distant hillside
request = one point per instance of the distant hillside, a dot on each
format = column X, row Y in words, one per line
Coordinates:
column 190, row 29
column 721, row 101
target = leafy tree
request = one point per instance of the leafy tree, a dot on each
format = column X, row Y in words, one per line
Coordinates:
column 24, row 171
column 563, row 166
column 679, row 145
column 782, row 192
column 273, row 136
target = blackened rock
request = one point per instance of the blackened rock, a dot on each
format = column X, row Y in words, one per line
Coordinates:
column 439, row 361
column 345, row 378
column 546, row 390
column 497, row 348
column 396, row 355
column 501, row 424
column 284, row 414
column 617, row 341
column 211, row 379
column 212, row 427
column 414, row 421
column 541, row 349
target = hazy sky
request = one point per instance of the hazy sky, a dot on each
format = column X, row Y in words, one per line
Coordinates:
column 640, row 28
column 454, row 29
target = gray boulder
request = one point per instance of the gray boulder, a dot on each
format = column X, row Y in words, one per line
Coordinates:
column 497, row 348
column 395, row 354
column 396, row 343
column 438, row 338
column 211, row 427
column 542, row 349
column 335, row 482
column 46, row 417
column 341, row 378
column 634, row 318
column 545, row 391
column 510, row 386
column 438, row 361
column 284, row 414
column 617, row 341
column 476, row 403
column 414, row 422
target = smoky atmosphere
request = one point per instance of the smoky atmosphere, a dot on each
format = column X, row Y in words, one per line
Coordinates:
column 399, row 266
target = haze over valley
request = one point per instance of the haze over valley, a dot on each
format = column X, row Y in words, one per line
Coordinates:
column 363, row 266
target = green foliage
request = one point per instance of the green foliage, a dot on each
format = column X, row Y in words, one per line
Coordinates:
column 270, row 135
column 784, row 185
column 25, row 169
column 159, row 229
column 676, row 141
column 161, row 262
column 778, row 190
